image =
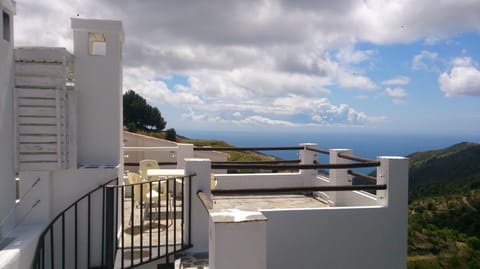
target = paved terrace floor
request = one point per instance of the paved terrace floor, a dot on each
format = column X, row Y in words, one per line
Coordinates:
column 159, row 234
column 144, row 239
column 266, row 201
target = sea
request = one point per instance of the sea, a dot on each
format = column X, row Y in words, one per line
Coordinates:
column 362, row 144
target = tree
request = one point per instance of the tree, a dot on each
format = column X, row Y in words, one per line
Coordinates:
column 138, row 115
column 171, row 134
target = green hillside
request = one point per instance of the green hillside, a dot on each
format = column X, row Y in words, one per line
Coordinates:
column 444, row 217
column 437, row 166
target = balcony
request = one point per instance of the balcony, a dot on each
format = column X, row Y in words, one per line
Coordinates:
column 301, row 214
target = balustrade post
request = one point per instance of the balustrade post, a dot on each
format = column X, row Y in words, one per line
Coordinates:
column 201, row 168
column 393, row 172
column 184, row 151
column 308, row 157
column 340, row 177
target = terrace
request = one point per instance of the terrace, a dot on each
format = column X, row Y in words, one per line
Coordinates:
column 75, row 209
column 255, row 199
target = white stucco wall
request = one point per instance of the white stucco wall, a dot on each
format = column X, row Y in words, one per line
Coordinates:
column 370, row 237
column 138, row 140
column 98, row 83
column 345, row 237
column 7, row 174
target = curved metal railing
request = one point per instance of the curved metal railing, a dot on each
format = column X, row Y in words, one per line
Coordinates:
column 51, row 250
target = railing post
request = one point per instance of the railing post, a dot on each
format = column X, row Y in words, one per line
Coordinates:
column 339, row 177
column 308, row 157
column 393, row 172
column 184, row 151
column 198, row 235
column 110, row 227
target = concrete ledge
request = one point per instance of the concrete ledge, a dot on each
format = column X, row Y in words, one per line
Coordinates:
column 236, row 215
column 19, row 252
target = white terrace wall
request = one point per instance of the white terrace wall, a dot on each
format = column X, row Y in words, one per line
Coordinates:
column 7, row 174
column 138, row 140
column 345, row 237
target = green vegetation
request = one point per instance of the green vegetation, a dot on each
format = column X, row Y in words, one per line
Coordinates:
column 171, row 134
column 444, row 217
column 437, row 166
column 140, row 116
column 233, row 155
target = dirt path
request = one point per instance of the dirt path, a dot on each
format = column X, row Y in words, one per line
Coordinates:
column 465, row 201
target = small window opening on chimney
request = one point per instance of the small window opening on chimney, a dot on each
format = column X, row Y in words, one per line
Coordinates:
column 6, row 26
column 97, row 44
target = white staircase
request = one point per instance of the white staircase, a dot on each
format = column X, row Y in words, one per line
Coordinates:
column 44, row 109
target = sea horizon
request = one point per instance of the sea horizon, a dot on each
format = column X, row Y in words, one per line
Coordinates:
column 362, row 144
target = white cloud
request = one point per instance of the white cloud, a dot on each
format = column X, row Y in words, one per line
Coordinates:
column 259, row 120
column 349, row 55
column 256, row 57
column 142, row 80
column 399, row 80
column 424, row 61
column 463, row 79
column 396, row 92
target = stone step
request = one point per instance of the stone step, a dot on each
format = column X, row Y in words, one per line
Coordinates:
column 195, row 260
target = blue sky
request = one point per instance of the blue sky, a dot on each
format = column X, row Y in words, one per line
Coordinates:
column 310, row 66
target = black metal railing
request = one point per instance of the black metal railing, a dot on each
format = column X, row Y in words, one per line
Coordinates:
column 104, row 223
column 153, row 221
column 75, row 238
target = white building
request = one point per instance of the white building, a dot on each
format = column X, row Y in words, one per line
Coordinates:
column 61, row 144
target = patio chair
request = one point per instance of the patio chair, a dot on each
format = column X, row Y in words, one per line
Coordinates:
column 144, row 165
column 146, row 198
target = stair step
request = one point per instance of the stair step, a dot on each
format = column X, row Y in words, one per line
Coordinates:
column 195, row 260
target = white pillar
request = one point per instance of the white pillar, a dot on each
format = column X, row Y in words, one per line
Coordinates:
column 340, row 177
column 7, row 140
column 199, row 216
column 184, row 151
column 308, row 157
column 393, row 172
column 98, row 83
column 238, row 240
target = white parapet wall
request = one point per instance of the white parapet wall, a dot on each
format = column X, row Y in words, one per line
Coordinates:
column 237, row 240
column 353, row 236
column 364, row 231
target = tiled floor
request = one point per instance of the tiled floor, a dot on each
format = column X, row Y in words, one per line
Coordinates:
column 146, row 238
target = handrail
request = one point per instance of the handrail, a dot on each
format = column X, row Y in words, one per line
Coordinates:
column 360, row 175
column 258, row 162
column 291, row 190
column 297, row 166
column 323, row 151
column 207, row 203
column 159, row 163
column 150, row 148
column 244, row 148
column 152, row 181
column 355, row 158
